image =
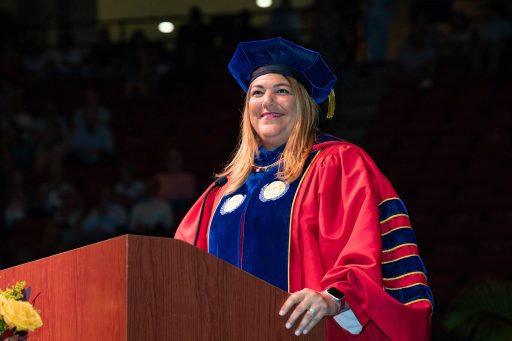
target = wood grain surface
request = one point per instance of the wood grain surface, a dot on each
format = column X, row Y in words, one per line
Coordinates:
column 200, row 297
column 149, row 288
column 81, row 293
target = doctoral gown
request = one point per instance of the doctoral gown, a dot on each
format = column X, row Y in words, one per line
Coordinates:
column 348, row 230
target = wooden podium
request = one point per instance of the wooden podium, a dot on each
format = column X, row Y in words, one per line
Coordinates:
column 149, row 288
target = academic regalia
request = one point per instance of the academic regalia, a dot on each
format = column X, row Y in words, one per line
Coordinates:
column 349, row 230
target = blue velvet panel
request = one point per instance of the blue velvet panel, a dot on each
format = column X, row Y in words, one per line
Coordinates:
column 403, row 266
column 255, row 235
column 226, row 229
column 398, row 237
column 391, row 207
column 266, row 236
column 412, row 293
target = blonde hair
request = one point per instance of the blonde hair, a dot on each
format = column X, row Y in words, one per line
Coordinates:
column 297, row 147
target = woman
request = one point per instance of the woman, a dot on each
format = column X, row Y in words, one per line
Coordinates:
column 310, row 213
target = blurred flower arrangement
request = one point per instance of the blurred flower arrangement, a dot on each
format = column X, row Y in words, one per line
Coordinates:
column 17, row 315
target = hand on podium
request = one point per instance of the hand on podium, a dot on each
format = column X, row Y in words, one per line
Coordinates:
column 312, row 305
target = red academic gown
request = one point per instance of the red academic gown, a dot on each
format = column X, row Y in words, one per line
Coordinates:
column 336, row 241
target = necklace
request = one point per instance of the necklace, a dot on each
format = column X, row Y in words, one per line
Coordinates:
column 259, row 169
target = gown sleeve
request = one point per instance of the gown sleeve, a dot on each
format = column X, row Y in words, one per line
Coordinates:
column 368, row 246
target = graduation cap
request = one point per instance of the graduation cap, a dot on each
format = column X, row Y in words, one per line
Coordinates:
column 255, row 58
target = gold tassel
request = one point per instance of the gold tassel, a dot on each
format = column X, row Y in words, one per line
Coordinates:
column 332, row 105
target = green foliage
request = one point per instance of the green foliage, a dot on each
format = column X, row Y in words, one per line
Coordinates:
column 14, row 292
column 483, row 313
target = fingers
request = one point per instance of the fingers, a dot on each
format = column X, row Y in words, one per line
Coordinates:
column 300, row 310
column 291, row 301
column 306, row 325
column 310, row 305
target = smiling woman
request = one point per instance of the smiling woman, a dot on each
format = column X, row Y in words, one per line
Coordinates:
column 310, row 213
column 272, row 109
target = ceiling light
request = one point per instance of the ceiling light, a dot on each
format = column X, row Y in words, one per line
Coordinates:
column 166, row 27
column 263, row 3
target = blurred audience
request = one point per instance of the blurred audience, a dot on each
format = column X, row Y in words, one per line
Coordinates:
column 51, row 132
column 195, row 53
column 139, row 58
column 285, row 21
column 91, row 143
column 69, row 212
column 419, row 52
column 493, row 34
column 244, row 29
column 105, row 220
column 51, row 194
column 91, row 103
column 378, row 27
column 19, row 148
column 129, row 188
column 151, row 215
column 17, row 200
column 176, row 185
column 103, row 55
column 65, row 61
column 328, row 34
column 458, row 43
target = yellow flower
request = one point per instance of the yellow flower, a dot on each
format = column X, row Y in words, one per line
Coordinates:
column 19, row 314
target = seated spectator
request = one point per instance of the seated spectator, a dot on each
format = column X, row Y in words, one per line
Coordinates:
column 34, row 61
column 17, row 201
column 19, row 150
column 176, row 185
column 139, row 64
column 379, row 15
column 103, row 55
column 104, row 220
column 64, row 227
column 51, row 148
column 19, row 116
column 69, row 213
column 10, row 60
column 91, row 103
column 51, row 132
column 419, row 52
column 129, row 189
column 60, row 201
column 494, row 31
column 91, row 143
column 458, row 40
column 66, row 61
column 151, row 215
column 52, row 192
column 48, row 115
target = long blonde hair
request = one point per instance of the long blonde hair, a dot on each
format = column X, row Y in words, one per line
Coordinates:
column 297, row 147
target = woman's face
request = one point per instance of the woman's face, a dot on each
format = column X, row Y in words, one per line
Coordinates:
column 272, row 109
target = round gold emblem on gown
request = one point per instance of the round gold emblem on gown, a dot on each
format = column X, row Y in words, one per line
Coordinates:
column 232, row 204
column 273, row 190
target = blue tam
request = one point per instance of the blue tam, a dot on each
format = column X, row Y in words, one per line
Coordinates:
column 255, row 58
